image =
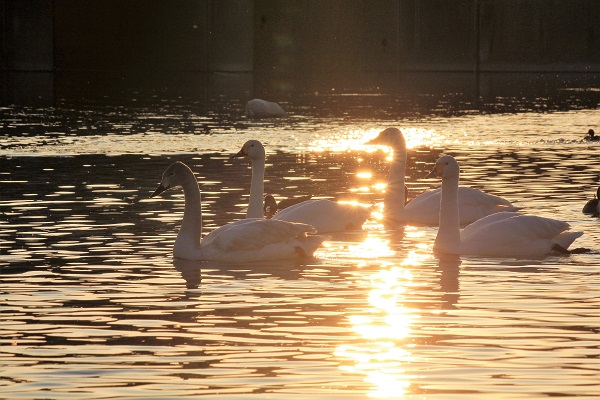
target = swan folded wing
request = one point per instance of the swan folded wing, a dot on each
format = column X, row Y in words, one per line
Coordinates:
column 521, row 235
column 326, row 215
column 473, row 228
column 251, row 234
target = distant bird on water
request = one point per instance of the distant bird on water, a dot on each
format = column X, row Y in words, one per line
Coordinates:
column 593, row 206
column 258, row 108
column 591, row 136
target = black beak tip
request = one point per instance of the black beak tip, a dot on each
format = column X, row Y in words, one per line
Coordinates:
column 158, row 190
column 238, row 154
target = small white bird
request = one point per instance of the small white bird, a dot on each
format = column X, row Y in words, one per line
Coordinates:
column 504, row 234
column 324, row 215
column 248, row 240
column 425, row 208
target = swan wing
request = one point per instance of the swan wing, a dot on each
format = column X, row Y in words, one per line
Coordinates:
column 473, row 205
column 326, row 215
column 255, row 233
column 473, row 228
column 517, row 236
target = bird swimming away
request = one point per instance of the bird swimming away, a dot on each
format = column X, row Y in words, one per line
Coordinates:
column 258, row 108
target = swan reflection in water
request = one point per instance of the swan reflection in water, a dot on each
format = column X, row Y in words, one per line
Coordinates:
column 384, row 349
column 191, row 271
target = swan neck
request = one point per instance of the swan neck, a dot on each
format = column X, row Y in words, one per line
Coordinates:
column 257, row 186
column 394, row 193
column 448, row 236
column 191, row 226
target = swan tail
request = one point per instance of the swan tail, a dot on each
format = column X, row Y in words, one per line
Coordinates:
column 308, row 245
column 565, row 239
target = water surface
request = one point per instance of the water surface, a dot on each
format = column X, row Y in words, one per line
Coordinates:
column 94, row 306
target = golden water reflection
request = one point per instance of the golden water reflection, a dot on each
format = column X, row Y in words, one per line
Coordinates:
column 356, row 139
column 383, row 350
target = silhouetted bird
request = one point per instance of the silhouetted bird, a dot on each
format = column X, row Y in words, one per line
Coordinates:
column 591, row 137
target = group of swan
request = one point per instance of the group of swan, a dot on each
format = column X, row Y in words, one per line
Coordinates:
column 247, row 240
column 493, row 228
column 425, row 208
column 324, row 215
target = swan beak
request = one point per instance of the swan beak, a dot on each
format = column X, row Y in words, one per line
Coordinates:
column 374, row 141
column 161, row 188
column 242, row 153
column 436, row 171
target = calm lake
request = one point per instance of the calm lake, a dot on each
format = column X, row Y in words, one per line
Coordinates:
column 94, row 306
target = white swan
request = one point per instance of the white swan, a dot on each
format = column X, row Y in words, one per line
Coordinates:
column 593, row 206
column 323, row 215
column 424, row 209
column 248, row 240
column 258, row 108
column 504, row 234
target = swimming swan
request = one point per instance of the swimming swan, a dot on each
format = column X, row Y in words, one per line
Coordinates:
column 593, row 206
column 504, row 234
column 248, row 240
column 323, row 215
column 425, row 208
column 258, row 108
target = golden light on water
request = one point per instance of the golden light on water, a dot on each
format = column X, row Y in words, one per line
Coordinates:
column 371, row 247
column 356, row 139
column 384, row 327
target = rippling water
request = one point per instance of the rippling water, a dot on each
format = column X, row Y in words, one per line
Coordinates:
column 95, row 307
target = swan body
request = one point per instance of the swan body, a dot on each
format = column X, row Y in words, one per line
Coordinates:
column 258, row 108
column 271, row 206
column 593, row 206
column 323, row 215
column 504, row 234
column 425, row 208
column 248, row 240
column 326, row 215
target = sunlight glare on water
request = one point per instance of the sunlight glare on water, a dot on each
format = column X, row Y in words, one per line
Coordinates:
column 94, row 306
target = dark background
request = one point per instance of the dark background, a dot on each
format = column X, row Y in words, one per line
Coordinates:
column 63, row 49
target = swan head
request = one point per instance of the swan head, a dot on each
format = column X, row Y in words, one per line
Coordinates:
column 392, row 137
column 445, row 167
column 175, row 175
column 253, row 149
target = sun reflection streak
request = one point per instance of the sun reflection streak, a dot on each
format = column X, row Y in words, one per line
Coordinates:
column 384, row 328
column 371, row 247
column 356, row 139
